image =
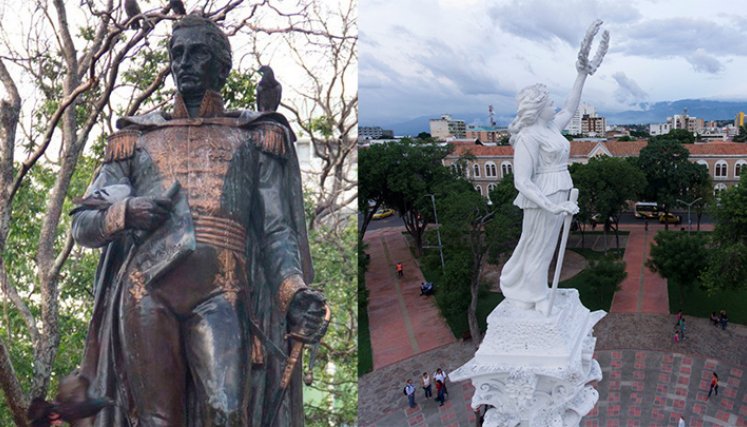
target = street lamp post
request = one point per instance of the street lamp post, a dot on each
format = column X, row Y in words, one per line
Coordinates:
column 689, row 221
column 438, row 232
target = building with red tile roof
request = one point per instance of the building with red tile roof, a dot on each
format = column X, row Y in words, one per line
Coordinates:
column 725, row 161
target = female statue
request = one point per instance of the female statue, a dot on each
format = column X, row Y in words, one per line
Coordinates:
column 541, row 176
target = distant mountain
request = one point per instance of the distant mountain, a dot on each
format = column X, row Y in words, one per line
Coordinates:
column 649, row 113
column 658, row 112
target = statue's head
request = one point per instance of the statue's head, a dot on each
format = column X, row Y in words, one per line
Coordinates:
column 200, row 56
column 533, row 103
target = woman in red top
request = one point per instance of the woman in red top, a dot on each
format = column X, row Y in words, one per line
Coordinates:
column 714, row 385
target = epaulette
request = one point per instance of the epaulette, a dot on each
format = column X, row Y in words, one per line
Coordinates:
column 271, row 138
column 121, row 145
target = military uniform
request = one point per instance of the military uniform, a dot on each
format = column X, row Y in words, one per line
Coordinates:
column 186, row 307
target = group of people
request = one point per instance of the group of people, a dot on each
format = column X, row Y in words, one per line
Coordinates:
column 427, row 382
column 720, row 320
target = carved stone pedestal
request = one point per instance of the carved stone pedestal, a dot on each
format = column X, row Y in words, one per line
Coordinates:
column 533, row 369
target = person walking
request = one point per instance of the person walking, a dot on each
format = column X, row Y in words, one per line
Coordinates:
column 425, row 382
column 714, row 385
column 681, row 325
column 440, row 375
column 676, row 335
column 723, row 319
column 400, row 269
column 440, row 387
column 410, row 393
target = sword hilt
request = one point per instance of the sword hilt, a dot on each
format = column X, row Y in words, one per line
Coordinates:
column 308, row 377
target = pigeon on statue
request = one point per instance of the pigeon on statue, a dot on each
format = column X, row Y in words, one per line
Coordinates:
column 73, row 402
column 177, row 6
column 132, row 9
column 269, row 90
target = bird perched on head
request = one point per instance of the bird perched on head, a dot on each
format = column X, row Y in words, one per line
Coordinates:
column 177, row 6
column 269, row 90
column 72, row 403
column 132, row 9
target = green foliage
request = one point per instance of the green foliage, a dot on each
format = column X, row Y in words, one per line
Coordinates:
column 605, row 185
column 727, row 267
column 400, row 175
column 452, row 292
column 365, row 356
column 605, row 274
column 146, row 66
column 76, row 278
column 669, row 173
column 683, row 136
column 239, row 91
column 701, row 302
column 742, row 136
column 626, row 138
column 593, row 295
column 333, row 398
column 323, row 126
column 679, row 256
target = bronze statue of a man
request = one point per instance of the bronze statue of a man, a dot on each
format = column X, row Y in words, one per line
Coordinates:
column 205, row 262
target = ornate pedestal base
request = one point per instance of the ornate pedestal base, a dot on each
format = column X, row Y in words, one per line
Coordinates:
column 535, row 370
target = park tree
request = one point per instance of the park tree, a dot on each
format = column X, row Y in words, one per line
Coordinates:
column 727, row 258
column 669, row 173
column 478, row 227
column 605, row 185
column 680, row 257
column 683, row 136
column 68, row 70
column 401, row 175
column 742, row 135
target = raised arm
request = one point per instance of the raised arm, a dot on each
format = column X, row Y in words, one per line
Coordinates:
column 585, row 67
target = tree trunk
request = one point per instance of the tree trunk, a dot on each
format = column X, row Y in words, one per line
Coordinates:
column 474, row 327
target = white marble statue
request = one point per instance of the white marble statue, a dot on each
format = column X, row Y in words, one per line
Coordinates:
column 535, row 367
column 541, row 176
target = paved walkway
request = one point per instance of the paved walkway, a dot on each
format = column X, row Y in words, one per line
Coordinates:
column 402, row 323
column 648, row 380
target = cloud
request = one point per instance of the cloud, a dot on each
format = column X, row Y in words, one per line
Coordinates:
column 549, row 20
column 628, row 90
column 704, row 63
column 677, row 37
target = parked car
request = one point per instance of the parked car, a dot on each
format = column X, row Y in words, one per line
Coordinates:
column 669, row 218
column 383, row 213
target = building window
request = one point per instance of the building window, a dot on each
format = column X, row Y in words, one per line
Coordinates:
column 506, row 169
column 704, row 163
column 479, row 189
column 457, row 168
column 721, row 169
column 718, row 188
column 490, row 169
column 739, row 167
column 476, row 168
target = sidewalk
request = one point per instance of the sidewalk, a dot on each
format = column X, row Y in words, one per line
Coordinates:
column 402, row 323
column 648, row 381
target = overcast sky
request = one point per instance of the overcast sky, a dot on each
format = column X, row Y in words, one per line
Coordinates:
column 427, row 57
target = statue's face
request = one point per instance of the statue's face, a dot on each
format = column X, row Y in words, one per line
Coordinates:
column 548, row 111
column 193, row 66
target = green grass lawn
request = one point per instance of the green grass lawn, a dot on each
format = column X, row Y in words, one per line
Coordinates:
column 698, row 303
column 365, row 357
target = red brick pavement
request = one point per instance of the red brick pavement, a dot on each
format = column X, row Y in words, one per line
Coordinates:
column 402, row 323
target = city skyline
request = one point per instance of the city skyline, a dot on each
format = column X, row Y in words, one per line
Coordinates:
column 659, row 51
